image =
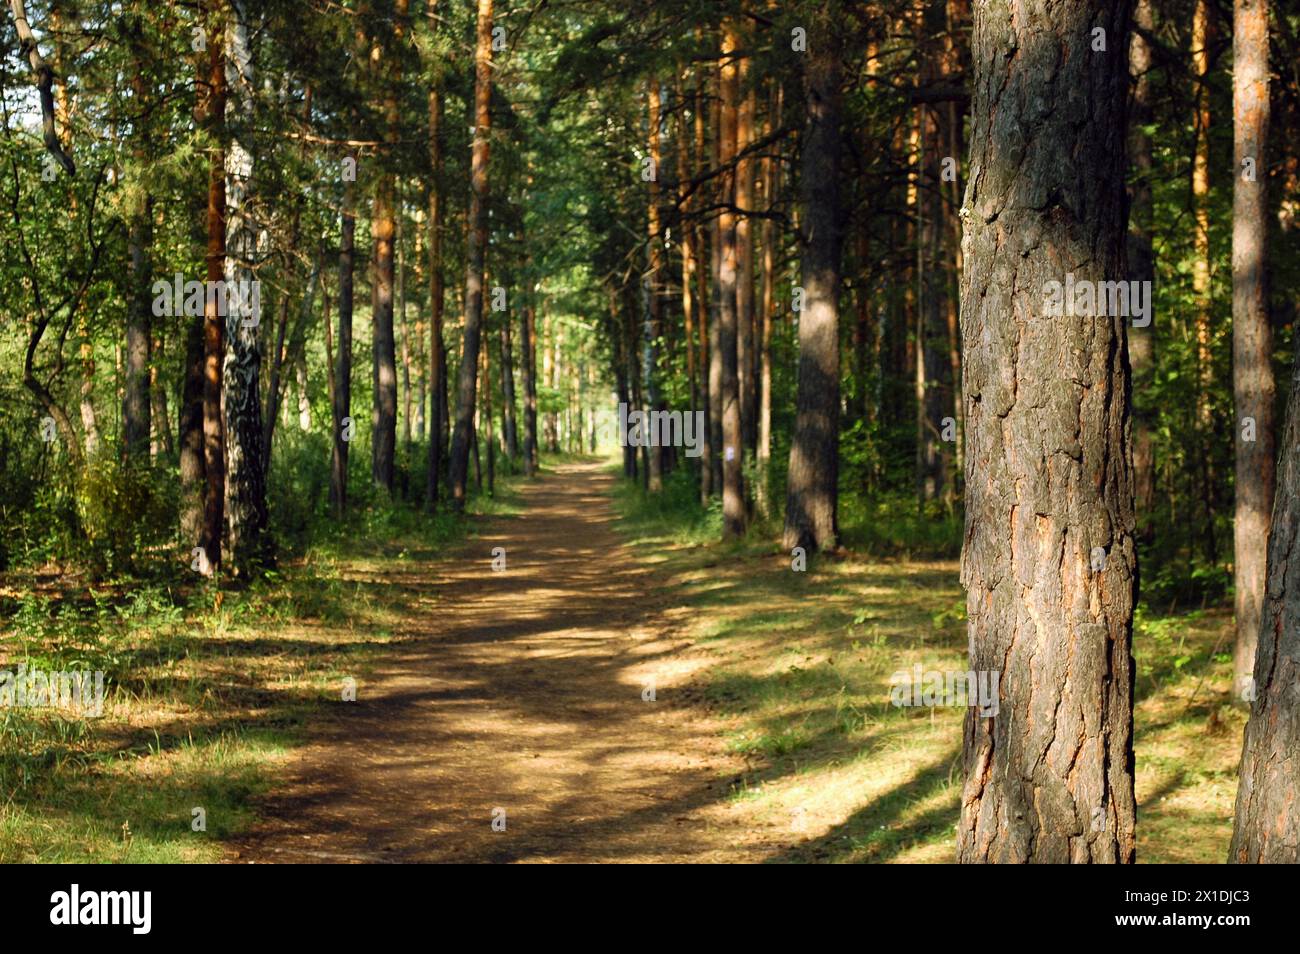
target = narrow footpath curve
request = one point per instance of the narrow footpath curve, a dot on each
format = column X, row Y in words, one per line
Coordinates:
column 522, row 692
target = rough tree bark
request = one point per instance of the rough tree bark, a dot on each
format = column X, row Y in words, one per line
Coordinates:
column 437, row 368
column 246, row 515
column 214, row 466
column 651, row 301
column 1048, row 561
column 812, row 497
column 343, row 364
column 733, row 487
column 1252, row 335
column 384, row 377
column 477, row 247
column 1267, row 828
column 1141, row 261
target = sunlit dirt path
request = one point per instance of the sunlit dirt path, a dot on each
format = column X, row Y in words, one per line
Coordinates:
column 522, row 691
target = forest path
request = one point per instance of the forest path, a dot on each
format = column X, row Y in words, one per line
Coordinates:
column 521, row 690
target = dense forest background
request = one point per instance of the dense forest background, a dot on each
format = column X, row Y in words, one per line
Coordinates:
column 477, row 229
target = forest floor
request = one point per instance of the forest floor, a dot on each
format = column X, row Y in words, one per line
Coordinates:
column 625, row 689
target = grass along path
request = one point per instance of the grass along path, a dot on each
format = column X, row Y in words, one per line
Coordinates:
column 797, row 666
column 770, row 736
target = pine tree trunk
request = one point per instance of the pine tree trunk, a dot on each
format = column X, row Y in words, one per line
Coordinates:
column 1267, row 828
column 477, row 246
column 136, row 405
column 1141, row 262
column 733, row 488
column 651, row 303
column 214, row 466
column 509, row 429
column 343, row 365
column 437, row 366
column 1049, row 561
column 528, row 344
column 746, row 355
column 1252, row 335
column 812, row 500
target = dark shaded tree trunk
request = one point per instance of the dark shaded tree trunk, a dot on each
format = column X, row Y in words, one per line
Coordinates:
column 190, row 427
column 1141, row 263
column 652, row 304
column 509, row 429
column 1267, row 828
column 746, row 354
column 477, row 247
column 136, row 404
column 437, row 363
column 1049, row 558
column 527, row 330
column 343, row 365
column 733, row 486
column 1252, row 335
column 214, row 464
column 383, row 227
column 812, row 498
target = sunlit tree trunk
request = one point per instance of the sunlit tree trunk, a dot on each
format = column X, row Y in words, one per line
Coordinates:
column 1252, row 335
column 1049, row 556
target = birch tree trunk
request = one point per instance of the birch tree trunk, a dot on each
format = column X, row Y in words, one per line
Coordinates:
column 245, row 489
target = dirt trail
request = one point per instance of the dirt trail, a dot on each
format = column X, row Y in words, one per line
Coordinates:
column 522, row 692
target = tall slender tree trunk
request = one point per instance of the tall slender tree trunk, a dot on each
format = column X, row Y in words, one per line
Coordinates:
column 771, row 184
column 1267, row 828
column 733, row 487
column 746, row 355
column 509, row 430
column 407, row 400
column 245, row 505
column 1049, row 555
column 437, row 366
column 383, row 227
column 1141, row 261
column 343, row 366
column 1252, row 334
column 189, row 426
column 812, row 499
column 715, row 292
column 477, row 247
column 214, row 465
column 652, row 303
column 1201, row 269
column 136, row 405
column 528, row 343
column 489, row 438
